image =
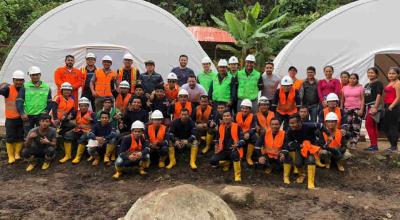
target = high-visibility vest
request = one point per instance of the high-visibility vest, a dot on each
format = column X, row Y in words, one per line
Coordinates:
column 205, row 79
column 336, row 143
column 273, row 145
column 11, row 105
column 263, row 121
column 246, row 124
column 248, row 84
column 337, row 111
column 202, row 117
column 134, row 145
column 64, row 107
column 160, row 136
column 171, row 94
column 297, row 84
column 122, row 103
column 133, row 77
column 103, row 82
column 84, row 121
column 222, row 91
column 178, row 108
column 36, row 98
column 287, row 106
column 234, row 135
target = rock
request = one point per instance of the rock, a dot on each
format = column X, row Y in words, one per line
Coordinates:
column 380, row 157
column 180, row 202
column 239, row 195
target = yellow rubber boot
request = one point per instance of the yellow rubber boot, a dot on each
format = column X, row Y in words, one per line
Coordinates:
column 79, row 153
column 311, row 176
column 161, row 162
column 193, row 157
column 209, row 138
column 142, row 167
column 302, row 176
column 172, row 160
column 238, row 171
column 90, row 159
column 292, row 156
column 225, row 165
column 340, row 165
column 46, row 165
column 250, row 150
column 96, row 161
column 30, row 167
column 10, row 153
column 318, row 162
column 18, row 149
column 114, row 154
column 118, row 173
column 67, row 151
column 286, row 172
column 109, row 149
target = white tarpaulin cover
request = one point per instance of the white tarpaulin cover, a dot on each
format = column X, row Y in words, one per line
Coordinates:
column 111, row 27
column 348, row 38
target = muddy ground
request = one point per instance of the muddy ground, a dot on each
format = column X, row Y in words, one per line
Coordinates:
column 369, row 189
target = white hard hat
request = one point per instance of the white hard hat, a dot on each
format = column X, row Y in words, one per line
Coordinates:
column 124, row 84
column 92, row 143
column 128, row 56
column 137, row 125
column 106, row 58
column 90, row 55
column 34, row 70
column 222, row 62
column 251, row 58
column 233, row 60
column 331, row 116
column 206, row 60
column 286, row 81
column 18, row 74
column 157, row 115
column 332, row 97
column 183, row 92
column 263, row 99
column 66, row 85
column 84, row 100
column 246, row 102
column 172, row 76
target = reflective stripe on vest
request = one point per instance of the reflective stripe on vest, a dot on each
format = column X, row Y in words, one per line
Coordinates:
column 287, row 106
column 337, row 111
column 248, row 84
column 134, row 145
column 178, row 108
column 36, row 98
column 103, row 82
column 222, row 91
column 160, row 136
column 133, row 81
column 122, row 104
column 234, row 135
column 246, row 124
column 263, row 121
column 171, row 94
column 202, row 117
column 64, row 107
column 83, row 122
column 272, row 146
column 336, row 143
column 11, row 105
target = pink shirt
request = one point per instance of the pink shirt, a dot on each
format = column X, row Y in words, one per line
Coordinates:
column 352, row 96
column 326, row 87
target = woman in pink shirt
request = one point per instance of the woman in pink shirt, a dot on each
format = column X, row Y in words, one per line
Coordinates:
column 328, row 85
column 352, row 101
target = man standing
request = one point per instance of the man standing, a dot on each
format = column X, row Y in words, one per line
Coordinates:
column 182, row 71
column 206, row 77
column 233, row 66
column 296, row 82
column 270, row 80
column 194, row 89
column 128, row 72
column 223, row 86
column 71, row 75
column 309, row 94
column 87, row 74
column 150, row 79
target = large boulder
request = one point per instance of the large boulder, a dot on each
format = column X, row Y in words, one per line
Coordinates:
column 180, row 202
column 238, row 195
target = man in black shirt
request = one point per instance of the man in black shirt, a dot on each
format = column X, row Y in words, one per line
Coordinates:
column 150, row 79
column 88, row 73
column 309, row 94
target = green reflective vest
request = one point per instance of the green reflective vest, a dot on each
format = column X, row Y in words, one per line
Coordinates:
column 36, row 98
column 222, row 91
column 248, row 84
column 205, row 79
column 232, row 74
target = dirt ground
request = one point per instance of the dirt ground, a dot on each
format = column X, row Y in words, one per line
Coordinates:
column 369, row 189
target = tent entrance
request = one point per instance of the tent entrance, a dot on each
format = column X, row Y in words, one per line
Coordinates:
column 384, row 62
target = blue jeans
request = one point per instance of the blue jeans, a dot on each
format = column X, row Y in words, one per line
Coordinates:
column 314, row 111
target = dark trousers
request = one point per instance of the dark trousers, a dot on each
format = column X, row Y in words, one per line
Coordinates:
column 14, row 128
column 391, row 125
column 231, row 155
column 271, row 161
column 39, row 151
column 123, row 160
column 283, row 119
column 33, row 121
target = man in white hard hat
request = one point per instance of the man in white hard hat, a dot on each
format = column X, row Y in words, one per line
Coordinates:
column 206, row 76
column 182, row 71
column 134, row 151
column 123, row 98
column 286, row 101
column 194, row 89
column 247, row 122
column 156, row 134
column 14, row 124
column 271, row 81
column 128, row 72
column 34, row 98
column 223, row 86
column 171, row 87
column 70, row 74
column 249, row 83
column 233, row 71
column 87, row 74
column 174, row 110
column 233, row 66
column 103, row 83
column 332, row 102
column 264, row 115
column 150, row 79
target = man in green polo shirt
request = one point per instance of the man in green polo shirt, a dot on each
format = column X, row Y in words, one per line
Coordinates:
column 207, row 75
column 249, row 83
column 33, row 99
column 222, row 88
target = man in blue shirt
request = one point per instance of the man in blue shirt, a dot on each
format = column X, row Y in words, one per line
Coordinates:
column 182, row 71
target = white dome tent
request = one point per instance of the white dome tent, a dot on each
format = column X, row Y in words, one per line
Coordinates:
column 112, row 27
column 347, row 38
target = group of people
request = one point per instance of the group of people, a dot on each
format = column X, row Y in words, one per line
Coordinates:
column 133, row 119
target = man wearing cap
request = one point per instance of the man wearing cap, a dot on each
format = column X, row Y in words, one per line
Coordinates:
column 222, row 88
column 70, row 74
column 271, row 81
column 171, row 87
column 33, row 99
column 264, row 115
column 297, row 83
column 182, row 71
column 128, row 72
column 174, row 110
column 233, row 66
column 156, row 134
column 206, row 76
column 14, row 124
column 249, row 83
column 103, row 83
column 150, row 79
column 87, row 74
column 123, row 98
column 194, row 89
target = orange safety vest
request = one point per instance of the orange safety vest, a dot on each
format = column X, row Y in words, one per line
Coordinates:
column 133, row 77
column 178, row 108
column 287, row 106
column 202, row 117
column 337, row 111
column 171, row 94
column 263, row 121
column 337, row 140
column 297, row 84
column 11, row 105
column 83, row 121
column 272, row 146
column 160, row 136
column 122, row 104
column 103, row 82
column 64, row 107
column 246, row 124
column 134, row 145
column 234, row 135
